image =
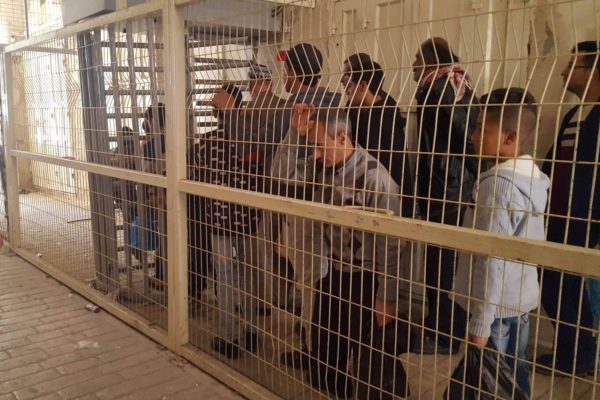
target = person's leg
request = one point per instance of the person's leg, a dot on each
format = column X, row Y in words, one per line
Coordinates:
column 246, row 270
column 519, row 336
column 226, row 282
column 330, row 345
column 432, row 266
column 562, row 297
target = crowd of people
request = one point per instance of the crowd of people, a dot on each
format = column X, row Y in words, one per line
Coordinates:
column 474, row 168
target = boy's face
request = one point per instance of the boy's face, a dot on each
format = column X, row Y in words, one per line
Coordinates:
column 326, row 149
column 487, row 137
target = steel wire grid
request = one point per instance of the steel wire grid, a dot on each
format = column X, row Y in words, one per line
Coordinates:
column 288, row 240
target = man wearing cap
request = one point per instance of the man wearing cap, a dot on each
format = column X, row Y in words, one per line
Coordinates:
column 232, row 226
column 302, row 65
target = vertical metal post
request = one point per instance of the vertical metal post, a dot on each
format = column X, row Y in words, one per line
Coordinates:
column 26, row 18
column 174, row 42
column 12, row 173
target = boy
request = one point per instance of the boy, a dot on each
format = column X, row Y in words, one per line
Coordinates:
column 510, row 199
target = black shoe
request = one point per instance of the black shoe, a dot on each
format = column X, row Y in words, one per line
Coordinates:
column 230, row 350
column 543, row 366
column 297, row 359
column 428, row 346
column 336, row 384
column 251, row 342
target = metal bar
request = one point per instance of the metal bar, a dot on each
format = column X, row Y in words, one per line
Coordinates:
column 13, row 212
column 136, row 45
column 26, row 18
column 143, row 178
column 121, row 147
column 128, row 69
column 106, row 210
column 176, row 170
column 568, row 258
column 131, row 69
column 146, row 8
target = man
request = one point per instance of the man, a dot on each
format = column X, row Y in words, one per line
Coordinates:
column 257, row 137
column 256, row 131
column 378, row 126
column 302, row 66
column 574, row 216
column 445, row 177
column 361, row 286
column 231, row 228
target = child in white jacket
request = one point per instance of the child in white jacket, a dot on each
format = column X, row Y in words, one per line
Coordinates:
column 510, row 199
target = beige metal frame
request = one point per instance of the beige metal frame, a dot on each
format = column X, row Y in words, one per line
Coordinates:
column 563, row 257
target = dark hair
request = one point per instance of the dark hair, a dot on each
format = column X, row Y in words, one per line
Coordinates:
column 370, row 72
column 306, row 61
column 358, row 58
column 436, row 51
column 234, row 92
column 161, row 115
column 514, row 108
column 589, row 51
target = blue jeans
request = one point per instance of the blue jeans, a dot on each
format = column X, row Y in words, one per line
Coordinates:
column 509, row 336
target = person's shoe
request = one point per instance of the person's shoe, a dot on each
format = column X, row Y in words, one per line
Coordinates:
column 297, row 359
column 427, row 346
column 336, row 384
column 230, row 350
column 544, row 367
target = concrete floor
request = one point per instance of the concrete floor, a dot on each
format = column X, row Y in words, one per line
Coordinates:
column 51, row 347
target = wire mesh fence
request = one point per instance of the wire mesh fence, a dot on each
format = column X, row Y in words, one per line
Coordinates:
column 367, row 198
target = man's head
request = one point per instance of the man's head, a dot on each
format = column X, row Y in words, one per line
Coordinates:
column 365, row 82
column 506, row 124
column 583, row 69
column 433, row 52
column 226, row 97
column 149, row 120
column 260, row 79
column 331, row 136
column 302, row 66
column 354, row 59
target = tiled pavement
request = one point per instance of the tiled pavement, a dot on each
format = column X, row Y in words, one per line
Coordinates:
column 51, row 347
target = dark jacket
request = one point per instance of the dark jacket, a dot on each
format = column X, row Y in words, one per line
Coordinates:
column 380, row 130
column 220, row 164
column 584, row 211
column 444, row 175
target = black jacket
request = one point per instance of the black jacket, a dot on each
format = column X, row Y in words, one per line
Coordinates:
column 445, row 175
column 580, row 225
column 380, row 130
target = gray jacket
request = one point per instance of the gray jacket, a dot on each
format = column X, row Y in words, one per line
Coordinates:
column 510, row 200
column 362, row 183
